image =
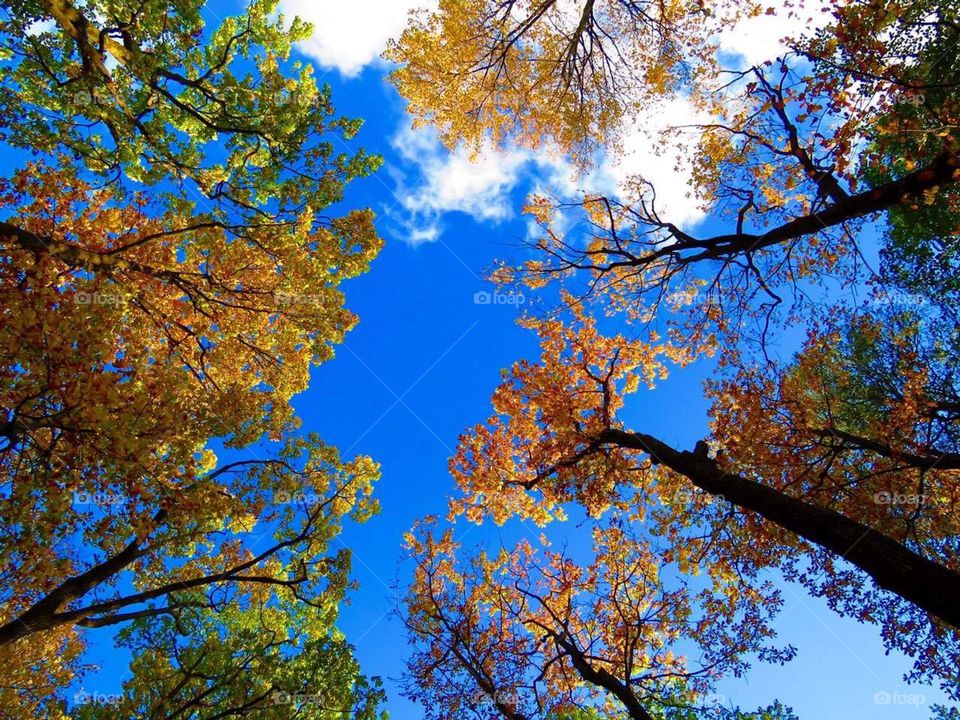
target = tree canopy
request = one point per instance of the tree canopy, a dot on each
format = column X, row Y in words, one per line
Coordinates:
column 171, row 271
column 836, row 465
column 174, row 250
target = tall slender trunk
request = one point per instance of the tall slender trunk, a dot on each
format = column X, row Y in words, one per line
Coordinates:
column 894, row 567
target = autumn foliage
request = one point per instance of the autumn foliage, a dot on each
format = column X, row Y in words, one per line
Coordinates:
column 170, row 274
column 173, row 257
column 834, row 465
column 532, row 632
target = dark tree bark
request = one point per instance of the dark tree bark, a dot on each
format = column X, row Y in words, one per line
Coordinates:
column 923, row 582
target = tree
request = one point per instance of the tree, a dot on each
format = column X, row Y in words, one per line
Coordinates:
column 796, row 490
column 204, row 550
column 800, row 155
column 530, row 633
column 216, row 119
column 226, row 330
column 780, row 159
column 270, row 659
column 240, row 288
column 240, row 169
column 532, row 71
column 170, row 273
column 228, row 259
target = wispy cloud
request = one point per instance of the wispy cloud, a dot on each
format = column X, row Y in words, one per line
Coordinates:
column 757, row 39
column 432, row 181
column 351, row 35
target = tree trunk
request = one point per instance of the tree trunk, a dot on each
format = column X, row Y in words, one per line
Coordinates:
column 925, row 583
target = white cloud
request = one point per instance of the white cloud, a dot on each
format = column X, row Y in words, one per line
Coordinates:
column 453, row 181
column 435, row 181
column 761, row 38
column 650, row 150
column 350, row 35
column 38, row 27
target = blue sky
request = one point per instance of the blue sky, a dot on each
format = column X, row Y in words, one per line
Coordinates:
column 425, row 358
